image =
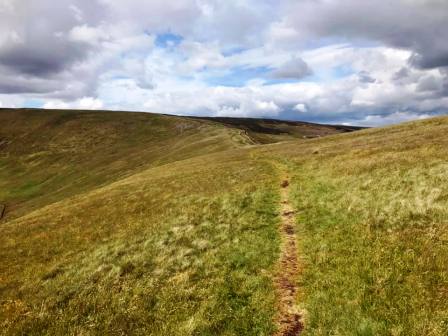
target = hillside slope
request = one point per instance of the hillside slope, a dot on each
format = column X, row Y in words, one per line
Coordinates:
column 373, row 228
column 188, row 243
column 184, row 248
column 47, row 155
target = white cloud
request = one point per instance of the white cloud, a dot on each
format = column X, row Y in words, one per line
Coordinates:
column 56, row 105
column 89, row 103
column 85, row 103
column 84, row 33
column 396, row 117
column 238, row 58
column 301, row 108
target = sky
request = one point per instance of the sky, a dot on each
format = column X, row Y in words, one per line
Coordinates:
column 352, row 62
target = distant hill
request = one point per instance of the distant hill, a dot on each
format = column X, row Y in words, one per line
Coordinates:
column 271, row 130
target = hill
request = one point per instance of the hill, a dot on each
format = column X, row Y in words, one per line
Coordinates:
column 264, row 131
column 47, row 155
column 157, row 231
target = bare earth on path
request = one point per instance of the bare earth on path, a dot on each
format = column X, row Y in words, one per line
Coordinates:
column 289, row 318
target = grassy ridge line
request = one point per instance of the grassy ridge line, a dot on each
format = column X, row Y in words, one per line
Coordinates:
column 373, row 228
column 265, row 131
column 183, row 249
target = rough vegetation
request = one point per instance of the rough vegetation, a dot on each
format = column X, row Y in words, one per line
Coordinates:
column 373, row 228
column 141, row 224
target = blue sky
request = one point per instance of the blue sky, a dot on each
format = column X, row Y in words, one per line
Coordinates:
column 328, row 61
column 167, row 40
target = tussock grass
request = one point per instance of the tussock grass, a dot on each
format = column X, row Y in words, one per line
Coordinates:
column 373, row 222
column 183, row 249
column 46, row 156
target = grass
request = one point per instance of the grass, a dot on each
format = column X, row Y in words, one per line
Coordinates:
column 154, row 225
column 47, row 156
column 96, row 266
column 373, row 215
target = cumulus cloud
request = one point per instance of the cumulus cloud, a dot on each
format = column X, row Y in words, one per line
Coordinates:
column 85, row 103
column 429, row 83
column 295, row 68
column 360, row 62
column 36, row 46
column 301, row 108
column 420, row 26
column 86, row 34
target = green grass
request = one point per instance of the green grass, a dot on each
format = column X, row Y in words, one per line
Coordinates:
column 131, row 224
column 189, row 249
column 52, row 155
column 373, row 215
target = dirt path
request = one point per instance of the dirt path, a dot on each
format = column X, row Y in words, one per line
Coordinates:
column 289, row 319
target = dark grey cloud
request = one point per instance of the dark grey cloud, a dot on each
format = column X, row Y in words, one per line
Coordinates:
column 35, row 40
column 9, row 85
column 66, row 85
column 38, row 61
column 295, row 68
column 429, row 83
column 40, row 57
column 7, row 88
column 428, row 56
column 417, row 25
column 401, row 74
column 365, row 77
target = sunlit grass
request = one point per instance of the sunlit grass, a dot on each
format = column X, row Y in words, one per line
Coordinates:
column 47, row 156
column 373, row 226
column 183, row 249
column 173, row 231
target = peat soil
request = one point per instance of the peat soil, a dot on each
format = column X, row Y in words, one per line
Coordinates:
column 289, row 319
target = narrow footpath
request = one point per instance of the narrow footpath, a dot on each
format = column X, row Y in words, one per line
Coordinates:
column 289, row 318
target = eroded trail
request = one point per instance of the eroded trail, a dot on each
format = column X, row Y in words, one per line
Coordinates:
column 289, row 318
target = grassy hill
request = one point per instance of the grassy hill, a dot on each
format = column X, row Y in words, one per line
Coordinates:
column 49, row 155
column 128, row 223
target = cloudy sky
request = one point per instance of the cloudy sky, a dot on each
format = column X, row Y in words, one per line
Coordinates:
column 333, row 61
